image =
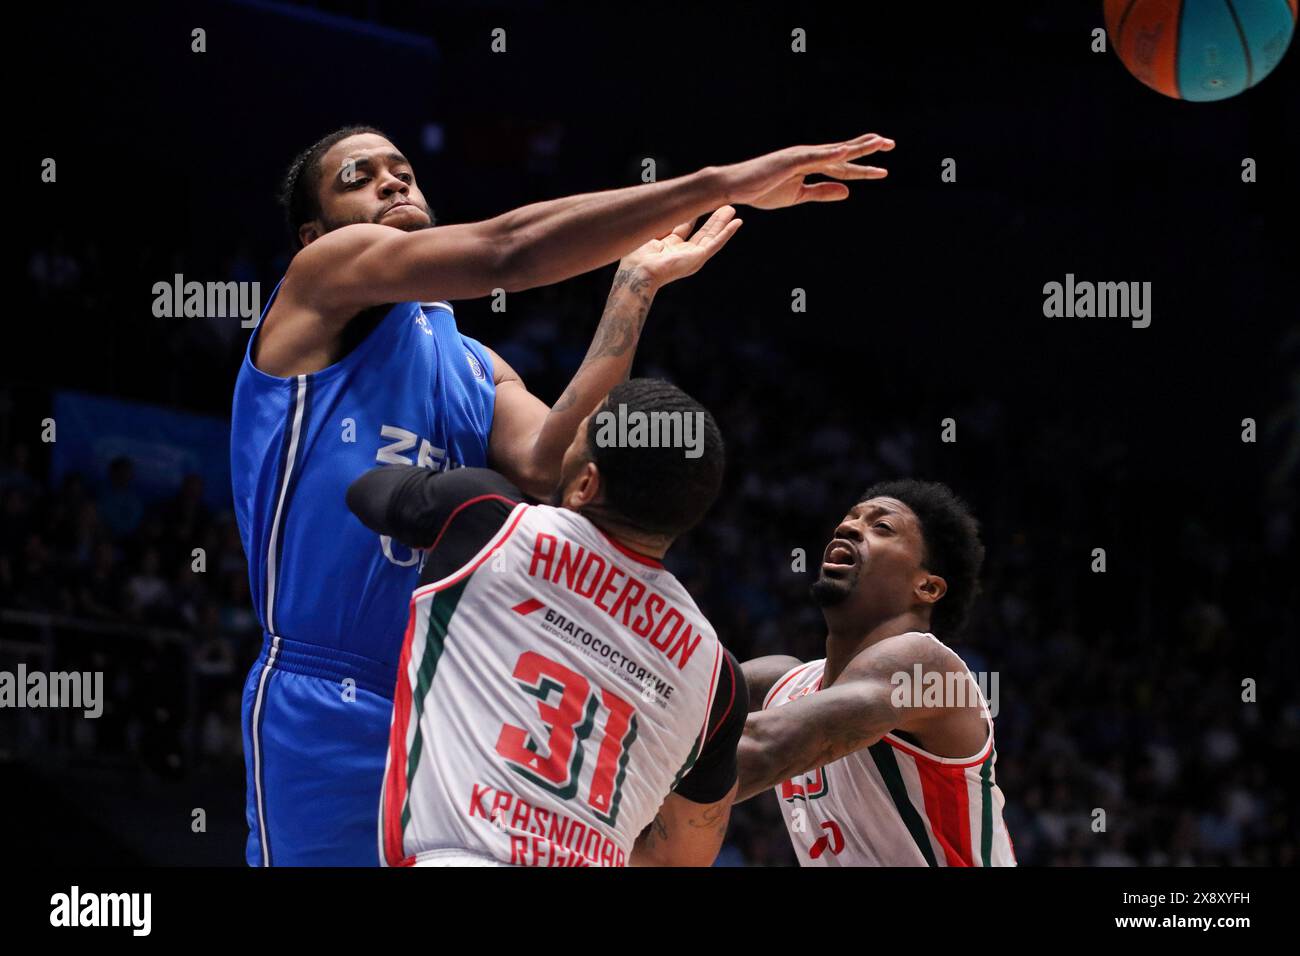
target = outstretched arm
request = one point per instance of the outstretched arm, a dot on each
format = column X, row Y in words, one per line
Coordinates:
column 363, row 265
column 550, row 241
column 528, row 439
column 855, row 712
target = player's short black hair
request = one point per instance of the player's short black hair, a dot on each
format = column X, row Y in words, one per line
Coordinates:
column 300, row 188
column 953, row 549
column 659, row 490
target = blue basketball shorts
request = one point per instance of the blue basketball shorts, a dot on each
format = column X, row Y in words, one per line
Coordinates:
column 315, row 725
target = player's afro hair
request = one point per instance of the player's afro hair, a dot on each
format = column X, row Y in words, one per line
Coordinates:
column 952, row 545
column 300, row 188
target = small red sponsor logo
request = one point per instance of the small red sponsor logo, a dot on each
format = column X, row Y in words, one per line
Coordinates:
column 834, row 841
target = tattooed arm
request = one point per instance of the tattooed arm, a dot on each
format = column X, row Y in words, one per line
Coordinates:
column 857, row 710
column 528, row 439
column 689, row 827
column 684, row 833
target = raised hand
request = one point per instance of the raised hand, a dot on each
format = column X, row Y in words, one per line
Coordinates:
column 680, row 254
column 776, row 180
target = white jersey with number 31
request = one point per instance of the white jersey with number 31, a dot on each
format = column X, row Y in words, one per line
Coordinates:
column 550, row 694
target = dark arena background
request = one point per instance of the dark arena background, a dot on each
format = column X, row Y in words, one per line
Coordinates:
column 1160, row 692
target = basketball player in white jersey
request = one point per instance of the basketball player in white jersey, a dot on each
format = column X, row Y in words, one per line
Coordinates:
column 561, row 700
column 881, row 754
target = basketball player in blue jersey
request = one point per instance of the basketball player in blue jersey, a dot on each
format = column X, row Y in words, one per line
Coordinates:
column 357, row 361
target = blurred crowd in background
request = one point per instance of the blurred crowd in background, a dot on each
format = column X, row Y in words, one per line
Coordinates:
column 1120, row 696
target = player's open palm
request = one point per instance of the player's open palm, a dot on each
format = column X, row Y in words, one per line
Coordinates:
column 680, row 254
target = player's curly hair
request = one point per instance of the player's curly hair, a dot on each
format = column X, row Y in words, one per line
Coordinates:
column 299, row 194
column 953, row 549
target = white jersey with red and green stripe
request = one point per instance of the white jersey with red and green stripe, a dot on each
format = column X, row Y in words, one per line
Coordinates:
column 550, row 694
column 892, row 804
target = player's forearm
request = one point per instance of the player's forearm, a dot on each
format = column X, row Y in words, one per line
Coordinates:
column 801, row 736
column 684, row 833
column 756, row 765
column 608, row 362
column 551, row 241
column 650, row 845
column 773, row 751
column 780, row 744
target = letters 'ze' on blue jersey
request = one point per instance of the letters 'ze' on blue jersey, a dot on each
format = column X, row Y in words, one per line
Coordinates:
column 415, row 391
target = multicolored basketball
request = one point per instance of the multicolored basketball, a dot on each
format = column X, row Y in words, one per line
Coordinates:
column 1200, row 49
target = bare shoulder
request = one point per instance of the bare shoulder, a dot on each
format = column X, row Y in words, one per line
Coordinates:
column 944, row 719
column 338, row 244
column 317, row 268
column 301, row 332
column 903, row 652
column 340, row 269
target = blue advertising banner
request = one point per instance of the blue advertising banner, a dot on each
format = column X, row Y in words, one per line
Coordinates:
column 163, row 445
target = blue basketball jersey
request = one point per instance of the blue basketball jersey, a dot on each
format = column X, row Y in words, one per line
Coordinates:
column 415, row 391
